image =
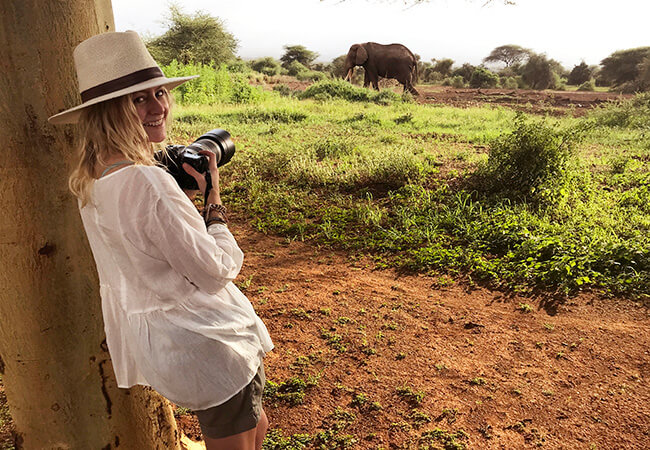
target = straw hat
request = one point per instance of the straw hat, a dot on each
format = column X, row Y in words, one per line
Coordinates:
column 110, row 65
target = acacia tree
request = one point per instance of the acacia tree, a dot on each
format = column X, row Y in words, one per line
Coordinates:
column 508, row 54
column 297, row 53
column 58, row 377
column 537, row 72
column 198, row 38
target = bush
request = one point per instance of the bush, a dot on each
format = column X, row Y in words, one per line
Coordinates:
column 457, row 82
column 282, row 89
column 632, row 113
column 529, row 161
column 213, row 85
column 311, row 75
column 330, row 89
column 589, row 85
column 509, row 83
column 294, row 68
column 267, row 66
column 483, row 78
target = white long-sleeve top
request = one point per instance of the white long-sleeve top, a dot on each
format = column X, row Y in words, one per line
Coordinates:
column 173, row 318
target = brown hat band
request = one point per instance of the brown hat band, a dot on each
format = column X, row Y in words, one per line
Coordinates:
column 121, row 83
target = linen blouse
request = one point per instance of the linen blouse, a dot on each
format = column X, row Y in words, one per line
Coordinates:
column 174, row 320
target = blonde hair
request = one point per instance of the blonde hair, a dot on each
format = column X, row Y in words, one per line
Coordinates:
column 107, row 128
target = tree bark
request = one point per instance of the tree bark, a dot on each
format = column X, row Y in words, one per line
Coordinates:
column 58, row 377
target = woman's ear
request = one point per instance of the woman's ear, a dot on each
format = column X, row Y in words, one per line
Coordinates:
column 362, row 56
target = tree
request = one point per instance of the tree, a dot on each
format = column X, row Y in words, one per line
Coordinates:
column 579, row 74
column 442, row 66
column 537, row 72
column 199, row 38
column 58, row 377
column 465, row 71
column 623, row 66
column 266, row 65
column 508, row 54
column 483, row 78
column 297, row 53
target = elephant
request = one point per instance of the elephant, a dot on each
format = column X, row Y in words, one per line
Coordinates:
column 387, row 61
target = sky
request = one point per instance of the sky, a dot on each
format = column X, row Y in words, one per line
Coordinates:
column 569, row 31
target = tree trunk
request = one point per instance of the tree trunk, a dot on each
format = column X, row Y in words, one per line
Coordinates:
column 59, row 380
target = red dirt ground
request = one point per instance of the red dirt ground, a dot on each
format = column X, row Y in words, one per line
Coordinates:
column 570, row 374
column 531, row 101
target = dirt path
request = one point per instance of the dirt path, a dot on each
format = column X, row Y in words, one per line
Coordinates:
column 400, row 356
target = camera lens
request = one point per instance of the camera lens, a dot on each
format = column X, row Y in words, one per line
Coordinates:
column 219, row 142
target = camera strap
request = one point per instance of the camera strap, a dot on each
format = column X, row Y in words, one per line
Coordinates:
column 114, row 165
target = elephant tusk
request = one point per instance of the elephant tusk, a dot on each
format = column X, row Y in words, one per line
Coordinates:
column 348, row 76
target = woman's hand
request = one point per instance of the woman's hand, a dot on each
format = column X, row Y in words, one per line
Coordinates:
column 215, row 195
column 200, row 181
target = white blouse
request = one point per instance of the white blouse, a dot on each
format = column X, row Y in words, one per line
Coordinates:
column 173, row 318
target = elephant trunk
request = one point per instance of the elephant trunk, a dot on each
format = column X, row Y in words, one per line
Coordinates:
column 348, row 76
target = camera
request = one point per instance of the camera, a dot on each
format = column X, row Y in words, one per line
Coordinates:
column 217, row 141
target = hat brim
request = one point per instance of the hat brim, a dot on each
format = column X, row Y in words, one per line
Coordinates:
column 72, row 115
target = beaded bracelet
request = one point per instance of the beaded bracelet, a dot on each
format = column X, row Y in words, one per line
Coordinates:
column 219, row 209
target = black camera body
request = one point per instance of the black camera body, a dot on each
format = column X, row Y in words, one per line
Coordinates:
column 217, row 141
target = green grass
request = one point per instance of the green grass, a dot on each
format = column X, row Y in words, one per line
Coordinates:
column 399, row 182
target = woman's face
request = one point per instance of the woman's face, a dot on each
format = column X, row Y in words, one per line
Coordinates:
column 152, row 106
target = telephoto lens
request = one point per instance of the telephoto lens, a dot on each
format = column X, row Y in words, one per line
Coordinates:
column 217, row 141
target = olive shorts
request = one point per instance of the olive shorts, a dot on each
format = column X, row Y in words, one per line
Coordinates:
column 240, row 413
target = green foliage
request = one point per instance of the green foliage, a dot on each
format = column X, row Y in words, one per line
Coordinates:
column 588, row 86
column 268, row 66
column 331, row 89
column 538, row 72
column 276, row 440
column 457, row 82
column 297, row 54
column 483, row 78
column 509, row 83
column 212, row 86
column 448, row 440
column 367, row 178
column 295, row 67
column 632, row 113
column 442, row 66
column 580, row 74
column 623, row 66
column 508, row 54
column 199, row 38
column 291, row 391
column 530, row 161
column 465, row 71
column 311, row 75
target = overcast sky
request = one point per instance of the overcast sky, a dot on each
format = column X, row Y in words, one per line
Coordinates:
column 569, row 31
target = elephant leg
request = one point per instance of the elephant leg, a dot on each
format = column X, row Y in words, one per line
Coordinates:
column 366, row 79
column 375, row 81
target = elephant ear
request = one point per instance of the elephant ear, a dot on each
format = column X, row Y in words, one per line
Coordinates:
column 362, row 56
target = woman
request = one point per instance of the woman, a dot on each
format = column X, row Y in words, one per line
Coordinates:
column 173, row 318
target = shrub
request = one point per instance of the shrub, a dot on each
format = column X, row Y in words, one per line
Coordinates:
column 282, row 89
column 330, row 89
column 483, row 78
column 529, row 160
column 509, row 83
column 213, row 85
column 631, row 113
column 311, row 75
column 589, row 85
column 294, row 68
column 457, row 82
column 267, row 66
